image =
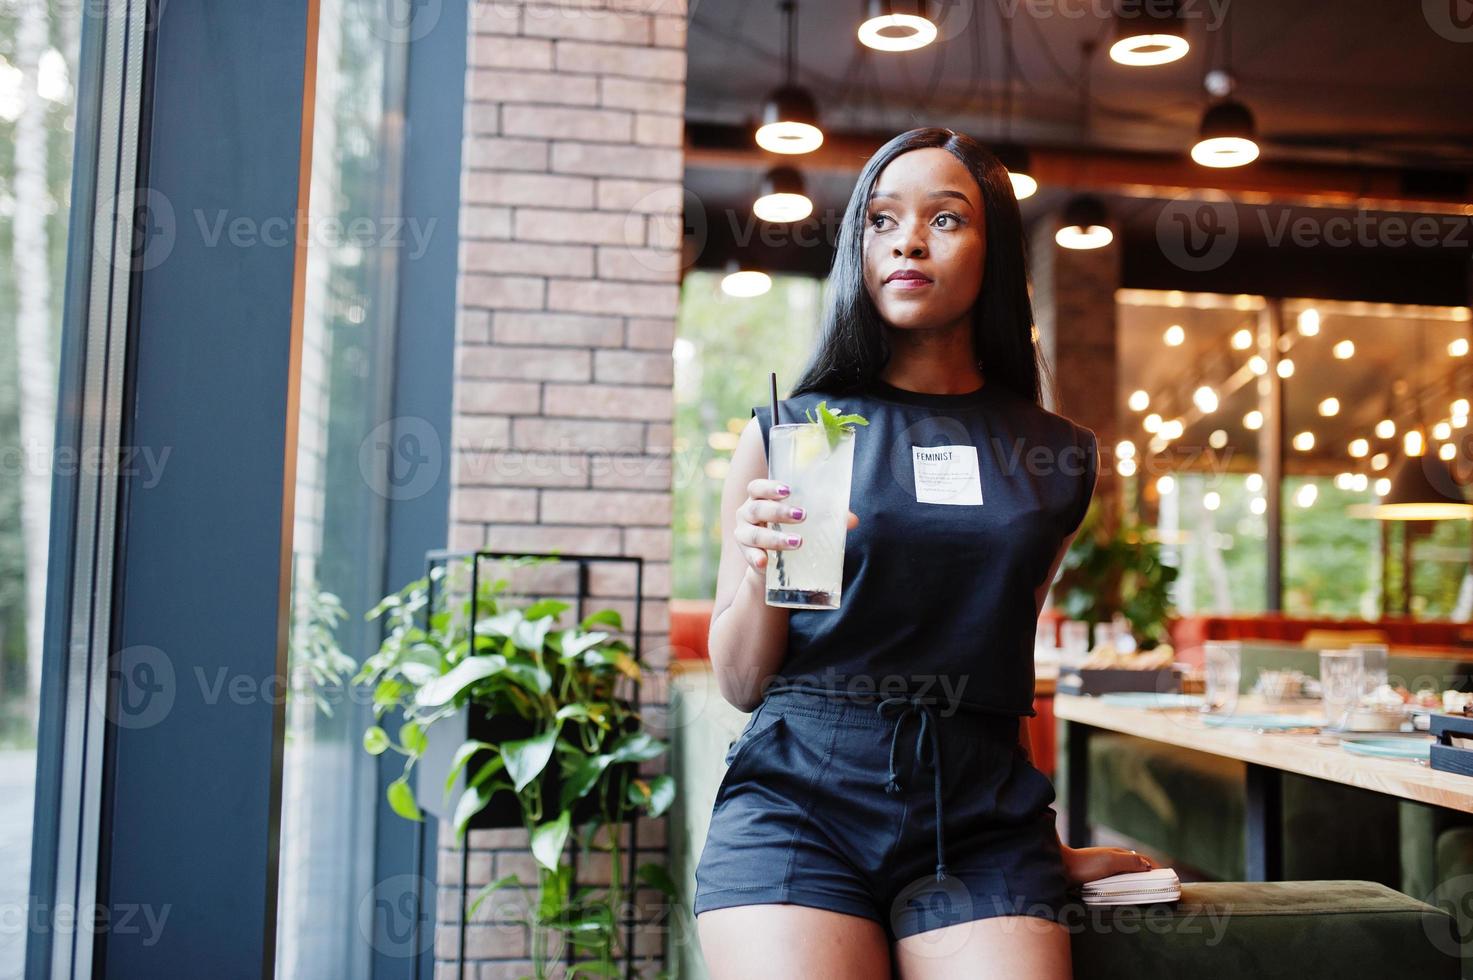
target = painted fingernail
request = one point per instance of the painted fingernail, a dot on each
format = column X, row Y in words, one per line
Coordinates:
column 794, row 540
column 783, row 490
column 796, row 513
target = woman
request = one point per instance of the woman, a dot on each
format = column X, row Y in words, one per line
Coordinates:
column 834, row 844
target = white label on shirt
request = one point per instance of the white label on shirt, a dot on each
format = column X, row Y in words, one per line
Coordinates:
column 947, row 474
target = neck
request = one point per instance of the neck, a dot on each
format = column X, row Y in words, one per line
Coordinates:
column 939, row 361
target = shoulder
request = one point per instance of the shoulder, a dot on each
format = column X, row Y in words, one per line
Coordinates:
column 1050, row 428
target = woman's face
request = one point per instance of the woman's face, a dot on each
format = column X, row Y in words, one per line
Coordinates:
column 925, row 217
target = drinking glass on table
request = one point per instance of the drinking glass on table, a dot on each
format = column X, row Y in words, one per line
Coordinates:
column 1222, row 673
column 1342, row 680
column 1373, row 663
column 818, row 469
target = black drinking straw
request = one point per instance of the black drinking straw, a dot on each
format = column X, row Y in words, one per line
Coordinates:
column 772, row 380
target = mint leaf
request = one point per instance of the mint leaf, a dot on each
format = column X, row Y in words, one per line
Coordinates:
column 834, row 424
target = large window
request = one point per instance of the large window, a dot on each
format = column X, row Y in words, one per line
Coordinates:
column 1357, row 379
column 725, row 349
column 38, row 66
column 329, row 783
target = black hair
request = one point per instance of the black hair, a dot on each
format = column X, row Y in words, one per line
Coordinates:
column 852, row 348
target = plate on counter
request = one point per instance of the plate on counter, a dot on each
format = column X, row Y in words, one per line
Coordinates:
column 1389, row 748
column 1265, row 721
column 1150, row 699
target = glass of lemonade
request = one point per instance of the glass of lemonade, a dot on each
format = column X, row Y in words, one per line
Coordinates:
column 800, row 454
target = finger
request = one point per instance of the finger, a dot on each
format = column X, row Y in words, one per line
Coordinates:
column 755, row 557
column 767, row 489
column 853, row 519
column 774, row 512
column 756, row 536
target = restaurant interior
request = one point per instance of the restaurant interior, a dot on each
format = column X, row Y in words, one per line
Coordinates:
column 1281, row 391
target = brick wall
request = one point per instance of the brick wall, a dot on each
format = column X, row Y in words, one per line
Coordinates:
column 569, row 282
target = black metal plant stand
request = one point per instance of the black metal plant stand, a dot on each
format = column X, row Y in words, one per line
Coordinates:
column 442, row 558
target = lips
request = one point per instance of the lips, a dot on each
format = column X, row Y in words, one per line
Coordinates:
column 907, row 274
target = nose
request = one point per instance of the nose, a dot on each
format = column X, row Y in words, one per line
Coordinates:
column 913, row 243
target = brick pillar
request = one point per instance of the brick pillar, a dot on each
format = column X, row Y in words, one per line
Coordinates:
column 569, row 285
column 1074, row 308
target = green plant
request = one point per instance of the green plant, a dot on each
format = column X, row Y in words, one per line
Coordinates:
column 563, row 682
column 1108, row 571
column 834, row 424
column 313, row 646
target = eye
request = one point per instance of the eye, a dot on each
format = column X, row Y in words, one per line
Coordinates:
column 956, row 219
column 877, row 217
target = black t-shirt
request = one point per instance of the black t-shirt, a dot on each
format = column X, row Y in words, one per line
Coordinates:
column 939, row 575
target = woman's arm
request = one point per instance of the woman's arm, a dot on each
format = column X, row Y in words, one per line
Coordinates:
column 748, row 637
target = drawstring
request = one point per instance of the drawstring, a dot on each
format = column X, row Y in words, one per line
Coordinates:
column 920, row 706
column 908, row 705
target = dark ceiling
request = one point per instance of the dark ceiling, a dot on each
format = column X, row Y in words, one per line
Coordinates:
column 1351, row 81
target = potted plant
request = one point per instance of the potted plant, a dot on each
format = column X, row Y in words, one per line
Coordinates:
column 1119, row 570
column 540, row 738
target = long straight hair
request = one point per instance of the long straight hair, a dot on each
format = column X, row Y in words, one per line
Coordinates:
column 852, row 346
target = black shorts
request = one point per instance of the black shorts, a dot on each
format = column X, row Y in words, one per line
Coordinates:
column 807, row 814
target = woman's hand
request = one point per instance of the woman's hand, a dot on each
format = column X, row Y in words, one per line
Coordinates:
column 766, row 504
column 1082, row 864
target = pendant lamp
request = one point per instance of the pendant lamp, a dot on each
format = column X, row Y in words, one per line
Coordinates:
column 1154, row 34
column 782, row 197
column 897, row 25
column 1086, row 224
column 790, row 114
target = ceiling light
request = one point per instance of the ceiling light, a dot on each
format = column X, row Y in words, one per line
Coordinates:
column 1125, row 449
column 896, row 25
column 1360, row 448
column 1085, row 224
column 1125, row 467
column 1174, row 335
column 1153, row 35
column 1285, row 368
column 1258, row 505
column 1423, row 489
column 1253, row 421
column 744, row 283
column 1151, row 423
column 1165, row 484
column 1205, row 399
column 1226, row 137
column 1218, row 438
column 1139, row 400
column 1309, row 321
column 1306, row 494
column 1019, row 164
column 1253, row 482
column 1304, row 441
column 1243, row 339
column 1344, row 349
column 1211, row 500
column 782, row 197
column 1329, row 407
column 1459, row 347
column 790, row 114
column 1385, row 429
column 1380, row 461
column 1257, row 364
column 1442, row 431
